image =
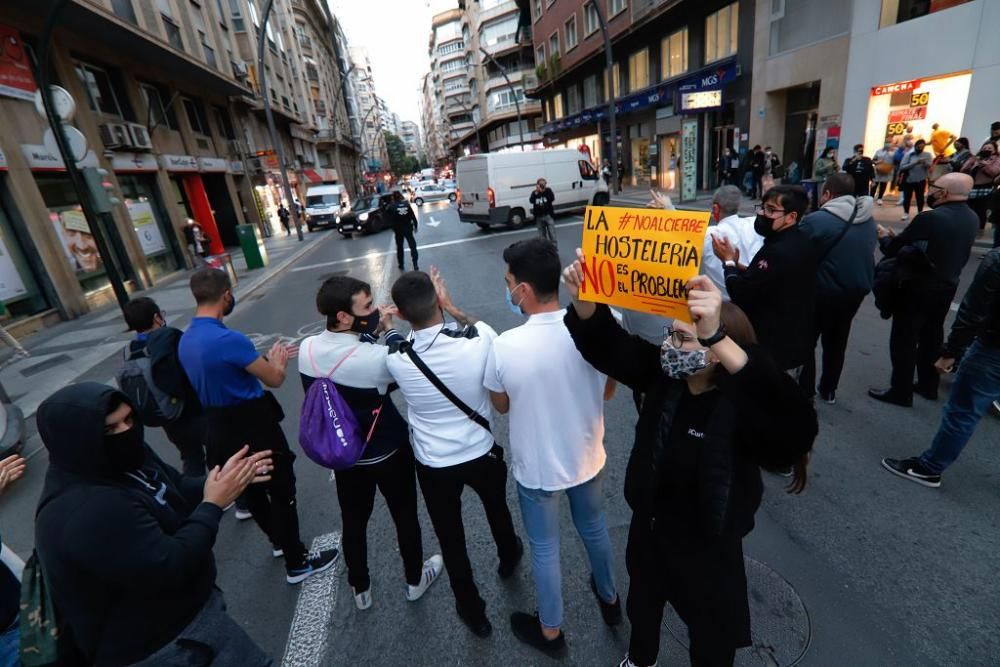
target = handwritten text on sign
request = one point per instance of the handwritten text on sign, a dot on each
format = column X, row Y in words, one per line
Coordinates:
column 642, row 259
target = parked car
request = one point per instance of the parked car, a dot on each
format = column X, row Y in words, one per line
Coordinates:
column 434, row 192
column 366, row 216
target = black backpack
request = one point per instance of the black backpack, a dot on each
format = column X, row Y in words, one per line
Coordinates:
column 154, row 380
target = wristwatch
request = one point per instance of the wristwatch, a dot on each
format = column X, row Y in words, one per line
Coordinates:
column 714, row 338
column 730, row 263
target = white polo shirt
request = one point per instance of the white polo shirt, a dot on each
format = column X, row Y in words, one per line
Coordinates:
column 441, row 434
column 556, row 404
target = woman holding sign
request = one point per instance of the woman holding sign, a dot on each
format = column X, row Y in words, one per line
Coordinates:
column 717, row 410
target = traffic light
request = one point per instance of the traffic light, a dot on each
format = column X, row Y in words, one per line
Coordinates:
column 101, row 189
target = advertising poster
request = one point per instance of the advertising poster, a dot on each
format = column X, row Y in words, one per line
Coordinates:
column 641, row 258
column 77, row 241
column 11, row 285
column 15, row 71
column 689, row 160
column 144, row 223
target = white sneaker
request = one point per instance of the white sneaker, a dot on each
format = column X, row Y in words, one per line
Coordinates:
column 905, row 216
column 996, row 408
column 433, row 567
column 277, row 552
column 879, row 202
column 627, row 662
column 363, row 600
column 242, row 514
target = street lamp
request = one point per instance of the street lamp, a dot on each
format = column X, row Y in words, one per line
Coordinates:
column 272, row 129
column 513, row 93
column 609, row 65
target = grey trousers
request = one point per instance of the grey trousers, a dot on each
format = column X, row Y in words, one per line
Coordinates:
column 545, row 230
column 212, row 638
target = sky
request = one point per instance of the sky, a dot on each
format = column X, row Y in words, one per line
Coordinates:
column 395, row 32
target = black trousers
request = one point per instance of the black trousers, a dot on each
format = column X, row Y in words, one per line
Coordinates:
column 273, row 503
column 758, row 186
column 833, row 328
column 442, row 489
column 981, row 205
column 405, row 233
column 915, row 190
column 188, row 436
column 879, row 188
column 917, row 335
column 356, row 492
column 706, row 586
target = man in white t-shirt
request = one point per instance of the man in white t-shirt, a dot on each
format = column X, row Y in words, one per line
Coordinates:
column 556, row 405
column 454, row 447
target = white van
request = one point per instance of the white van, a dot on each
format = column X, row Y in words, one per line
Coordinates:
column 493, row 188
column 324, row 204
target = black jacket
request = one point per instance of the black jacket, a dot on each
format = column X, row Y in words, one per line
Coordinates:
column 948, row 232
column 777, row 291
column 762, row 419
column 128, row 565
column 979, row 314
column 863, row 171
column 847, row 255
column 541, row 202
column 401, row 215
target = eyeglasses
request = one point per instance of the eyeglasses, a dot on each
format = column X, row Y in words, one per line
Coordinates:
column 767, row 209
column 676, row 337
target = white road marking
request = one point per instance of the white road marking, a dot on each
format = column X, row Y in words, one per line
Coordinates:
column 310, row 630
column 442, row 244
column 383, row 287
column 434, row 222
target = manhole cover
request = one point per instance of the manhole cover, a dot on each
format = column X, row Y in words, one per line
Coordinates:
column 779, row 623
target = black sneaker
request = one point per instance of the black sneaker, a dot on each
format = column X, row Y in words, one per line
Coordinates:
column 477, row 622
column 828, row 397
column 929, row 393
column 887, row 396
column 505, row 570
column 913, row 470
column 611, row 611
column 324, row 561
column 528, row 630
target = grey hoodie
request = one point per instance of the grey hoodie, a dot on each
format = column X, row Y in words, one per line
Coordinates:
column 847, row 266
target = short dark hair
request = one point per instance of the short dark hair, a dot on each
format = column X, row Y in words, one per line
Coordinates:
column 336, row 295
column 536, row 262
column 964, row 141
column 857, row 146
column 793, row 198
column 920, row 141
column 839, row 184
column 140, row 313
column 756, row 147
column 415, row 297
column 995, row 125
column 208, row 285
column 397, row 195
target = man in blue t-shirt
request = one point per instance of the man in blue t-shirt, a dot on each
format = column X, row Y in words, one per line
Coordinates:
column 226, row 371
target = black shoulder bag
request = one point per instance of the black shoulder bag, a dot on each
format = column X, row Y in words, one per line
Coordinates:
column 840, row 237
column 407, row 348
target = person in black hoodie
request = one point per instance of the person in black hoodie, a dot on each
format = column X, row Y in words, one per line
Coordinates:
column 716, row 410
column 125, row 542
column 777, row 289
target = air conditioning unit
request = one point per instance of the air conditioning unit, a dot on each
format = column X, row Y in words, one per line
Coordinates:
column 140, row 137
column 240, row 69
column 115, row 135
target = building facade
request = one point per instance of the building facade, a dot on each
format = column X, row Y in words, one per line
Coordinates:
column 447, row 91
column 680, row 82
column 435, row 134
column 410, row 134
column 371, row 109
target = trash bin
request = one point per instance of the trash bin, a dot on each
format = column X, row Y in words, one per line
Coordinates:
column 223, row 262
column 254, row 251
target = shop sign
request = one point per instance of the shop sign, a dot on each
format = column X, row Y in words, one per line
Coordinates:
column 41, row 158
column 15, row 71
column 905, row 115
column 899, row 87
column 3, row 161
column 711, row 79
column 701, row 100
column 689, row 159
column 133, row 162
column 179, row 162
column 235, row 167
column 212, row 164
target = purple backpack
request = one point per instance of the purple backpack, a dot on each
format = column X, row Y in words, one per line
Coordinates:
column 328, row 430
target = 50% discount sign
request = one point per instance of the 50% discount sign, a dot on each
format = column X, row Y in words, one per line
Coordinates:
column 642, row 259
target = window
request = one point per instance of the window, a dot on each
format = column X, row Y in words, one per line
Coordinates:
column 638, row 70
column 558, row 106
column 573, row 99
column 538, row 9
column 499, row 32
column 502, row 99
column 225, row 124
column 157, row 114
column 571, row 37
column 453, row 66
column 587, row 171
column 221, row 14
column 590, row 94
column 239, row 23
column 721, row 33
column 674, row 54
column 196, row 116
column 100, row 93
column 540, row 55
column 452, row 47
column 124, row 9
column 898, row 11
column 615, row 6
column 591, row 21
column 170, row 26
column 616, row 77
column 554, row 45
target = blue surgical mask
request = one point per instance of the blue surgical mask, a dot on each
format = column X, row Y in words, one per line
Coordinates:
column 514, row 308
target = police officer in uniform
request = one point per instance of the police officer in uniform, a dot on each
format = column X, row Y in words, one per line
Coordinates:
column 404, row 225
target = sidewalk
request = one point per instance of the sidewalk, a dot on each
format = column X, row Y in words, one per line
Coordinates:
column 64, row 352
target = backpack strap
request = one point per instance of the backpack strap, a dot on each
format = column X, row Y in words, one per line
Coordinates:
column 329, row 376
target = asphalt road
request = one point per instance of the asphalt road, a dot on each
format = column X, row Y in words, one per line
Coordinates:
column 862, row 569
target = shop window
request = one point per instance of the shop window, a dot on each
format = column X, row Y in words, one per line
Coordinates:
column 721, row 32
column 674, row 55
column 616, row 6
column 19, row 288
column 150, row 223
column 899, row 11
column 124, row 9
column 591, row 21
column 158, row 115
column 100, row 91
column 73, row 231
column 196, row 116
column 571, row 36
column 638, row 70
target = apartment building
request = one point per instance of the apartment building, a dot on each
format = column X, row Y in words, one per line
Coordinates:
column 447, row 90
column 372, row 110
column 168, row 102
column 410, row 134
column 435, row 133
column 680, row 84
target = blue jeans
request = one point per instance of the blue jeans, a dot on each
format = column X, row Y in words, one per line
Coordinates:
column 540, row 512
column 10, row 645
column 977, row 385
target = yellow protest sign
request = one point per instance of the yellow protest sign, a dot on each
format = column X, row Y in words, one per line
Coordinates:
column 642, row 258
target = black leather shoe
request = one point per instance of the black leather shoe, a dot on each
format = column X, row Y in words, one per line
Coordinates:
column 929, row 394
column 505, row 570
column 610, row 611
column 528, row 630
column 478, row 623
column 887, row 396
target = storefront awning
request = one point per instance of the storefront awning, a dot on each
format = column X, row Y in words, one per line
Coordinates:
column 312, row 176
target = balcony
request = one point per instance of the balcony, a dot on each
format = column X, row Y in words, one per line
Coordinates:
column 501, row 46
column 499, row 82
column 515, row 139
column 500, row 10
column 460, row 91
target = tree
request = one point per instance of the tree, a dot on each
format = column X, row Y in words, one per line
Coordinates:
column 397, row 153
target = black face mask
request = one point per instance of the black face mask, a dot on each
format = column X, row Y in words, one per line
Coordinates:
column 125, row 450
column 934, row 199
column 762, row 225
column 232, row 304
column 366, row 324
